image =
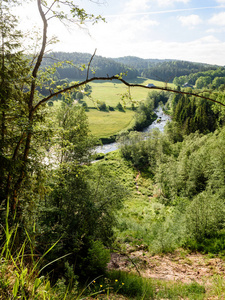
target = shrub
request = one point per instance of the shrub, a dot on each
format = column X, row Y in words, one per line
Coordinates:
column 101, row 105
column 205, row 216
column 84, row 104
column 120, row 107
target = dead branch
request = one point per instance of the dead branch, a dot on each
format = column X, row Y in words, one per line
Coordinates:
column 90, row 64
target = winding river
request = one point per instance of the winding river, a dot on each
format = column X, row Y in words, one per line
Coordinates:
column 159, row 123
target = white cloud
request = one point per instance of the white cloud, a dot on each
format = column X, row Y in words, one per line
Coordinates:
column 207, row 50
column 134, row 6
column 124, row 30
column 221, row 1
column 190, row 21
column 218, row 19
column 216, row 30
column 170, row 2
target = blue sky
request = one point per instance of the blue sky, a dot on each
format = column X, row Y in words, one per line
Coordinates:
column 192, row 30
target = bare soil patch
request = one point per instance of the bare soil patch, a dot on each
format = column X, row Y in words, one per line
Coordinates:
column 178, row 266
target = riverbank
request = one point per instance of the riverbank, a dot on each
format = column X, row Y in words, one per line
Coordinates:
column 132, row 127
column 159, row 115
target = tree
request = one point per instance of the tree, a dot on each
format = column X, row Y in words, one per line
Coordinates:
column 13, row 111
column 203, row 81
column 73, row 139
column 28, row 103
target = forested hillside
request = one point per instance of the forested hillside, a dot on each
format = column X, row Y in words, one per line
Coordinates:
column 208, row 79
column 164, row 70
column 75, row 66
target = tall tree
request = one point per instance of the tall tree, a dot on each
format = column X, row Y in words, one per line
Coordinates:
column 21, row 104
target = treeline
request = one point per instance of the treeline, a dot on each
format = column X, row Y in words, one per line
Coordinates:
column 164, row 70
column 75, row 66
column 212, row 78
column 192, row 114
column 138, row 63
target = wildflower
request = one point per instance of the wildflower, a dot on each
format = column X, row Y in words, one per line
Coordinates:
column 116, row 280
column 122, row 283
column 100, row 285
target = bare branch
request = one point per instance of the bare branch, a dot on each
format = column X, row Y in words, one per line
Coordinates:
column 90, row 64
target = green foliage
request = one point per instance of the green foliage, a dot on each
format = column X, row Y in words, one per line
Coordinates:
column 202, row 81
column 132, row 285
column 192, row 78
column 100, row 65
column 80, row 210
column 97, row 258
column 119, row 106
column 84, row 105
column 217, row 82
column 73, row 139
column 192, row 115
column 79, row 96
column 144, row 152
column 102, row 106
column 133, row 147
column 205, row 216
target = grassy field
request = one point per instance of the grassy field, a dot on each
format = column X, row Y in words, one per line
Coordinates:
column 111, row 92
column 105, row 124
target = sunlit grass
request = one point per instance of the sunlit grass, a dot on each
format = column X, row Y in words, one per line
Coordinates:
column 105, row 124
column 136, row 287
column 110, row 92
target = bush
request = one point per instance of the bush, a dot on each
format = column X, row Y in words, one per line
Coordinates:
column 205, row 216
column 101, row 105
column 133, row 147
column 84, row 104
column 120, row 107
column 97, row 258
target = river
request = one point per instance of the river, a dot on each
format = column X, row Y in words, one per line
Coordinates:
column 159, row 123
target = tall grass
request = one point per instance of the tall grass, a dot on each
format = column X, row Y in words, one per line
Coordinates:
column 136, row 287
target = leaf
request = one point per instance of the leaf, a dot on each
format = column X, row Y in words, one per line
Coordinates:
column 16, row 287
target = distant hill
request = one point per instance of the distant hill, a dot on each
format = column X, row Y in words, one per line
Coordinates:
column 164, row 70
column 100, row 66
column 158, row 69
column 137, row 62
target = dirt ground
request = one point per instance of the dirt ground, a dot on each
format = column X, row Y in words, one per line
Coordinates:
column 178, row 266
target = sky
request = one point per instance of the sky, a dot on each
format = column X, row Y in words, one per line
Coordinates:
column 191, row 30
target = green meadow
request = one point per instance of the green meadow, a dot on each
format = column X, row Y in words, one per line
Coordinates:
column 105, row 124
